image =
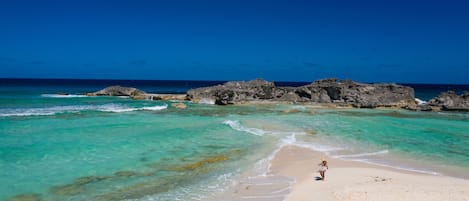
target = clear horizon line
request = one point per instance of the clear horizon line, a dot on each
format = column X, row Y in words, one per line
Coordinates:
column 210, row 80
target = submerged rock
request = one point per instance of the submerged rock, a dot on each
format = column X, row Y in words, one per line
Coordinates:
column 201, row 163
column 179, row 105
column 89, row 179
column 78, row 186
column 451, row 101
column 69, row 189
column 125, row 173
column 134, row 93
column 25, row 197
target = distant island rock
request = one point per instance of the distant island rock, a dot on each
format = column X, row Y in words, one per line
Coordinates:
column 134, row 93
column 330, row 91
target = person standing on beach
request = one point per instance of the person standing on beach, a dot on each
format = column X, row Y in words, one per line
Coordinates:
column 322, row 169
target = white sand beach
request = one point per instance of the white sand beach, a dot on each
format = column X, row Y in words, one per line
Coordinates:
column 347, row 180
column 294, row 177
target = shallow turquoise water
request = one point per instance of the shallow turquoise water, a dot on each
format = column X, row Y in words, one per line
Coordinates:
column 109, row 148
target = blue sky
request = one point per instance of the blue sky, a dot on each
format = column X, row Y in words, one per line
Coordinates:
column 369, row 41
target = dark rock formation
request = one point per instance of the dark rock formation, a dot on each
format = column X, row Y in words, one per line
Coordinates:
column 321, row 91
column 451, row 101
column 329, row 92
column 234, row 92
column 120, row 91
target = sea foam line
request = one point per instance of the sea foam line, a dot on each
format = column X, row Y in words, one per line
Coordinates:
column 237, row 126
column 74, row 109
column 420, row 102
column 64, row 96
column 362, row 154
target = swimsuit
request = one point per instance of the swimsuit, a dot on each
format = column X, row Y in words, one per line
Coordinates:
column 322, row 168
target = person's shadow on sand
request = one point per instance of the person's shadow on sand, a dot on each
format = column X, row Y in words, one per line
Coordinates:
column 317, row 178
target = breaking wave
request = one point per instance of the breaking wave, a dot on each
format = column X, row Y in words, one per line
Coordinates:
column 237, row 126
column 420, row 102
column 207, row 101
column 74, row 109
column 63, row 96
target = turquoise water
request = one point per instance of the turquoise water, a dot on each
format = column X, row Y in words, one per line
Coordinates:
column 109, row 148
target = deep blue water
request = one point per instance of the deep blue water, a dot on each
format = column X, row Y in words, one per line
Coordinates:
column 428, row 91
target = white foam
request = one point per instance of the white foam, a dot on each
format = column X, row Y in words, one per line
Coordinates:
column 319, row 147
column 63, row 96
column 420, row 102
column 207, row 101
column 394, row 166
column 119, row 108
column 288, row 140
column 237, row 126
column 73, row 109
column 27, row 114
column 156, row 108
column 43, row 111
column 362, row 154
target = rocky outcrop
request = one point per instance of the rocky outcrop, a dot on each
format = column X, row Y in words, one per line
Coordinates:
column 357, row 94
column 234, row 92
column 134, row 93
column 321, row 91
column 451, row 101
column 329, row 92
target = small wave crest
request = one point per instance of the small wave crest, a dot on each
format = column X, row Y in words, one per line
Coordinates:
column 327, row 149
column 207, row 101
column 362, row 154
column 237, row 126
column 74, row 109
column 63, row 96
column 420, row 102
column 155, row 108
column 119, row 108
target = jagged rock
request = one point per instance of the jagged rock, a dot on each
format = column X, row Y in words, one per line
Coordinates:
column 321, row 91
column 120, row 91
column 361, row 94
column 234, row 92
column 451, row 101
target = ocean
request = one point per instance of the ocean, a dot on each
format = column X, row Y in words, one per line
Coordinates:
column 74, row 147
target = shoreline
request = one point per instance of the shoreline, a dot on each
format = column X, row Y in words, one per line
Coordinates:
column 348, row 180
